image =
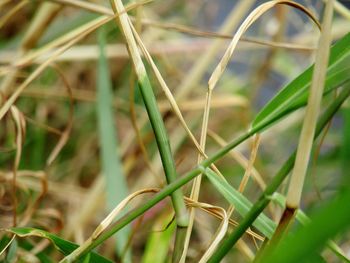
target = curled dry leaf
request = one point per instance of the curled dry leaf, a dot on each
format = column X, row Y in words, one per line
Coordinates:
column 253, row 16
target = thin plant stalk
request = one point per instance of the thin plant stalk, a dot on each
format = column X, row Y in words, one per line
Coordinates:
column 197, row 181
column 312, row 110
column 307, row 134
column 133, row 117
column 155, row 119
column 46, row 13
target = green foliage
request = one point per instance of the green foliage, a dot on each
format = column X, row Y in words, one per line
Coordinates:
column 64, row 246
column 116, row 186
column 264, row 224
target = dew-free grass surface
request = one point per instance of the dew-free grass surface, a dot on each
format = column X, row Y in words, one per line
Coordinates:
column 73, row 136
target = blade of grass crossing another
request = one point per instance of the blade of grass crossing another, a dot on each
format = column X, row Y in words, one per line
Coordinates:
column 116, row 186
column 242, row 205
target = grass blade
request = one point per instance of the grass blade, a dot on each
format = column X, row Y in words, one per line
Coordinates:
column 64, row 246
column 338, row 72
column 312, row 111
column 116, row 186
column 242, row 205
column 158, row 243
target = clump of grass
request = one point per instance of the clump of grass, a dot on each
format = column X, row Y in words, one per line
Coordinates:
column 87, row 155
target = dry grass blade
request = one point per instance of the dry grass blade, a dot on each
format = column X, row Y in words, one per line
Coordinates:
column 23, row 186
column 12, row 12
column 116, row 211
column 11, row 100
column 197, row 181
column 43, row 126
column 90, row 52
column 31, row 208
column 307, row 133
column 201, row 33
column 218, row 101
column 20, row 134
column 105, row 223
column 220, row 233
column 312, row 110
column 190, row 202
column 98, row 8
column 8, row 244
column 42, row 19
column 341, row 9
column 240, row 159
column 33, row 34
column 180, row 28
column 31, row 57
column 85, row 5
column 248, row 171
column 249, row 168
column 4, row 2
column 253, row 16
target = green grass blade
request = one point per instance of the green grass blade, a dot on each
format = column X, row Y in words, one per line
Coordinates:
column 242, row 205
column 345, row 148
column 64, row 246
column 158, row 243
column 297, row 91
column 43, row 256
column 11, row 254
column 308, row 240
column 116, row 186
